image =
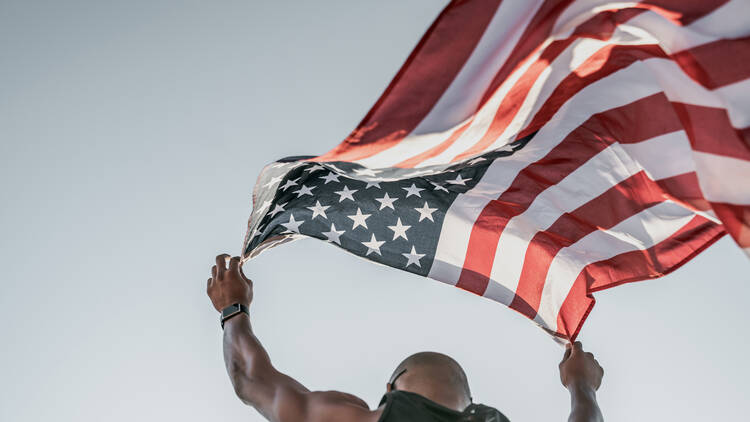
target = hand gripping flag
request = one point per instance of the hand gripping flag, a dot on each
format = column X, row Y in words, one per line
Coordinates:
column 534, row 152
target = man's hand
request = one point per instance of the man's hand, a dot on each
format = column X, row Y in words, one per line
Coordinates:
column 579, row 369
column 581, row 374
column 229, row 285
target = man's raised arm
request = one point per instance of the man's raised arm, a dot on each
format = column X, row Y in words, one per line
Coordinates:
column 257, row 383
column 582, row 375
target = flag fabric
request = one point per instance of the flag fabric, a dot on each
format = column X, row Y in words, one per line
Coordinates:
column 534, row 152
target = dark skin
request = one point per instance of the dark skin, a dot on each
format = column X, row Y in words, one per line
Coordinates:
column 280, row 398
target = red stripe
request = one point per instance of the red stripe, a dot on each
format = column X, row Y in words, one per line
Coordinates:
column 685, row 190
column 600, row 26
column 710, row 130
column 424, row 77
column 628, row 123
column 736, row 220
column 717, row 63
column 656, row 261
column 627, row 198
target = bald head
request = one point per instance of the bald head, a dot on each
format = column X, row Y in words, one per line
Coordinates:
column 435, row 376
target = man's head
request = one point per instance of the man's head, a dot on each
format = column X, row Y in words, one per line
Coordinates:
column 435, row 376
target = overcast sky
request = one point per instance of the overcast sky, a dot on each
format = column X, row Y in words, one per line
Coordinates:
column 131, row 134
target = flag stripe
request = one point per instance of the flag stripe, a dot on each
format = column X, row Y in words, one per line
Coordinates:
column 616, row 163
column 622, row 201
column 656, row 261
column 717, row 63
column 465, row 210
column 441, row 53
column 638, row 232
column 630, row 122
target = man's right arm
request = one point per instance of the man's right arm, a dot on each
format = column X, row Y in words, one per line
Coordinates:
column 581, row 374
column 277, row 396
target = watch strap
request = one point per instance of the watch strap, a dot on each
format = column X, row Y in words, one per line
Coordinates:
column 232, row 311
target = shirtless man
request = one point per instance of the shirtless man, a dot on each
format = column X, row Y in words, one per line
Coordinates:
column 426, row 386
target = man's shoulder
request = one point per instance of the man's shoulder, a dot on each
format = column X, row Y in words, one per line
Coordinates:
column 350, row 404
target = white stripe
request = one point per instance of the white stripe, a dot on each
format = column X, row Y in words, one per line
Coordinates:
column 663, row 156
column 613, row 91
column 736, row 99
column 462, row 97
column 639, row 232
column 679, row 87
column 723, row 179
column 603, row 171
column 728, row 21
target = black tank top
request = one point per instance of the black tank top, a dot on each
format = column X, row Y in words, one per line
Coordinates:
column 405, row 406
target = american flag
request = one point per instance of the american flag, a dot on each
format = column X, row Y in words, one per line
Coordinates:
column 534, row 152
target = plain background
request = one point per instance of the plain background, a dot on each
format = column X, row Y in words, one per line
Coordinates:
column 131, row 134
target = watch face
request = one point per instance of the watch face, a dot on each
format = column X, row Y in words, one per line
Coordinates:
column 230, row 310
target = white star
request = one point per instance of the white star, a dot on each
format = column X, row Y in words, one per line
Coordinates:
column 476, row 160
column 371, row 184
column 439, row 186
column 330, row 177
column 313, row 168
column 506, row 148
column 255, row 233
column 304, row 190
column 426, row 212
column 274, row 180
column 289, row 183
column 413, row 257
column 458, row 180
column 399, row 230
column 365, row 172
column 346, row 193
column 359, row 219
column 277, row 209
column 373, row 245
column 386, row 201
column 413, row 190
column 333, row 235
column 319, row 210
column 292, row 225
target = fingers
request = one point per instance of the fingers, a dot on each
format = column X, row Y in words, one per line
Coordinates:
column 221, row 264
column 234, row 264
column 208, row 284
column 568, row 349
column 576, row 348
column 214, row 272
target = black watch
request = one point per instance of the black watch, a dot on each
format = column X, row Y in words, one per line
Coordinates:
column 232, row 311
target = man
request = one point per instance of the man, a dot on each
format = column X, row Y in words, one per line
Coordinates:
column 426, row 386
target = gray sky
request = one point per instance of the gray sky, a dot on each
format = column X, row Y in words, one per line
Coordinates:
column 131, row 134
